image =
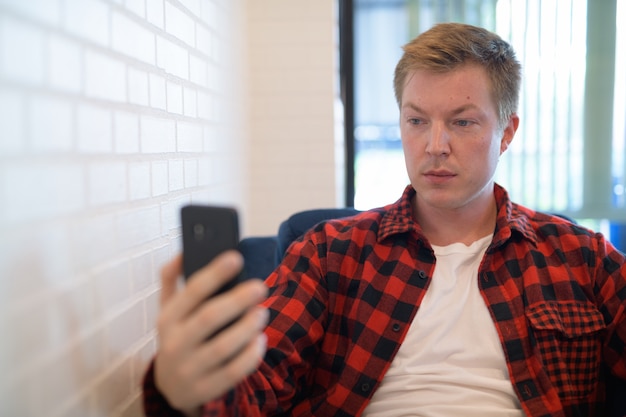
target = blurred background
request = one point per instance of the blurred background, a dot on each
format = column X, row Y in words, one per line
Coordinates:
column 115, row 113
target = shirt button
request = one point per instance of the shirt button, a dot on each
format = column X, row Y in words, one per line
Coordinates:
column 365, row 387
column 395, row 327
column 422, row 274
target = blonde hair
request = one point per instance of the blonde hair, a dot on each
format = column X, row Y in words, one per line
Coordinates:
column 448, row 46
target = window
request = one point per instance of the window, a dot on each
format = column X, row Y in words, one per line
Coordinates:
column 619, row 114
column 569, row 152
column 543, row 168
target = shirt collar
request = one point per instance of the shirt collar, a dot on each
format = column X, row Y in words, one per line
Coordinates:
column 398, row 218
column 511, row 219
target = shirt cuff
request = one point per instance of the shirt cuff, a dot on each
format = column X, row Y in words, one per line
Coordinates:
column 154, row 403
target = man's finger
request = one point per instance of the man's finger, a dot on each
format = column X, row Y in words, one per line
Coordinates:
column 209, row 279
column 219, row 381
column 201, row 285
column 224, row 309
column 229, row 343
column 170, row 273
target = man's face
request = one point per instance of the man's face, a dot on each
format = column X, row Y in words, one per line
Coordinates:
column 451, row 137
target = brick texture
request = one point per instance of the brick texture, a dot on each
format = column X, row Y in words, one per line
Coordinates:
column 113, row 114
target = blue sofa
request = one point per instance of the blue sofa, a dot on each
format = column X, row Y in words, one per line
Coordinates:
column 262, row 254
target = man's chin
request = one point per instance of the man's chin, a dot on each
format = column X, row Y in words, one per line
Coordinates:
column 439, row 199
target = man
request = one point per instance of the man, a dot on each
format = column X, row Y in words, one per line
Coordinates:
column 453, row 301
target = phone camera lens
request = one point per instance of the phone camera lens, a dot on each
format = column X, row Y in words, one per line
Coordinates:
column 198, row 231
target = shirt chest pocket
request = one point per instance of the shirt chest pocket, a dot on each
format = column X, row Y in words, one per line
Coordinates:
column 567, row 337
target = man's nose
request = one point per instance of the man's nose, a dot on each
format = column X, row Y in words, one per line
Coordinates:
column 438, row 140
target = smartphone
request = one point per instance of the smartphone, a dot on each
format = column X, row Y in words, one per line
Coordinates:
column 207, row 232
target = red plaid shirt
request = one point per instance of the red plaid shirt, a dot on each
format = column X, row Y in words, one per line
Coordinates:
column 343, row 298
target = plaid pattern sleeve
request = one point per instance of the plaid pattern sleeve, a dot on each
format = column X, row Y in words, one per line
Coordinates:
column 154, row 403
column 345, row 294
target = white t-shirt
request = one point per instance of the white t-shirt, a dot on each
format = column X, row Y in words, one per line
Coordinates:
column 451, row 362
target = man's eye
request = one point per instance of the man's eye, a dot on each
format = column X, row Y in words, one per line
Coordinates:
column 414, row 121
column 463, row 123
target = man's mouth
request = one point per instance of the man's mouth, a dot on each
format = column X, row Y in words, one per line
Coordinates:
column 439, row 175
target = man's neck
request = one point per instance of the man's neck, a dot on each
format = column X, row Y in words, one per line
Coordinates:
column 465, row 225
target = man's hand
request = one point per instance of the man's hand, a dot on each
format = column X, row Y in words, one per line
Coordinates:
column 191, row 366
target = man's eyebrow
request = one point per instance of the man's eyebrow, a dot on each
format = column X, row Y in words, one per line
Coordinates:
column 412, row 107
column 458, row 110
column 465, row 107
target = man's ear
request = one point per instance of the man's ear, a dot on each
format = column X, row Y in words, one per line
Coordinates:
column 509, row 132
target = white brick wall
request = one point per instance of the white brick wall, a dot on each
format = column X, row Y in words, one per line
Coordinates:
column 113, row 114
column 293, row 90
column 103, row 110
